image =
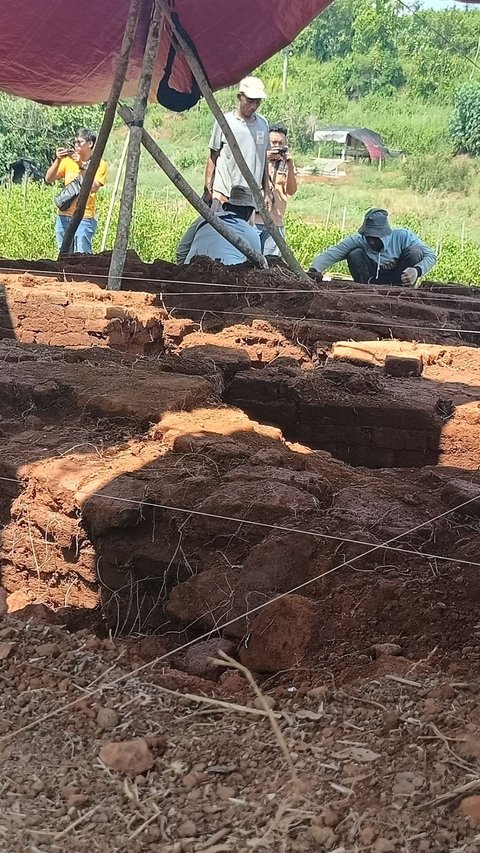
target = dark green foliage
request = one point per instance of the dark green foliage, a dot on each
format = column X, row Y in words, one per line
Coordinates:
column 34, row 131
column 465, row 122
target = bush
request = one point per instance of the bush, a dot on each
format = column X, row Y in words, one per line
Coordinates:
column 433, row 172
column 465, row 121
column 26, row 231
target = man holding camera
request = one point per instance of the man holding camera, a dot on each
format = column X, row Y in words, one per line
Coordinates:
column 69, row 166
column 282, row 185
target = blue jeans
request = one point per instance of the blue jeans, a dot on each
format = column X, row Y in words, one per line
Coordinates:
column 82, row 242
column 269, row 247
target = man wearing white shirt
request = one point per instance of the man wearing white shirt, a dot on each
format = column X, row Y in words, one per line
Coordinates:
column 251, row 132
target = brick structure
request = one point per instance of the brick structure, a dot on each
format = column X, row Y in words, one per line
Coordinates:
column 37, row 310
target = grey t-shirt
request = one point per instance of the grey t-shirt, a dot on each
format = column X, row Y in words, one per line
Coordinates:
column 253, row 140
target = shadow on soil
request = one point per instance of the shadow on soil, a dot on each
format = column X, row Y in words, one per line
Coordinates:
column 179, row 575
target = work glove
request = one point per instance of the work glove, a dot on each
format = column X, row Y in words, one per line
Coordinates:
column 409, row 276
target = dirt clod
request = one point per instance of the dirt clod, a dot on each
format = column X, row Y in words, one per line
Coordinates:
column 132, row 757
column 470, row 809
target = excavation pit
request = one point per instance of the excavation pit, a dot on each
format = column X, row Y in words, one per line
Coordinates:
column 168, row 486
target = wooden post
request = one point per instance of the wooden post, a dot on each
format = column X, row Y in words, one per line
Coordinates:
column 286, row 56
column 179, row 181
column 104, row 133
column 344, row 218
column 113, row 198
column 119, row 253
column 327, row 223
column 207, row 93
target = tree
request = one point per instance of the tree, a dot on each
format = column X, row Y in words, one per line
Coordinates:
column 465, row 121
column 32, row 130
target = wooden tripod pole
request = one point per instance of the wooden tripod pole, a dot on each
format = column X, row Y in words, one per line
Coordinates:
column 107, row 123
column 119, row 253
column 207, row 93
column 161, row 158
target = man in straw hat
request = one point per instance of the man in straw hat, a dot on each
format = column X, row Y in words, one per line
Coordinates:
column 379, row 254
column 251, row 132
column 236, row 213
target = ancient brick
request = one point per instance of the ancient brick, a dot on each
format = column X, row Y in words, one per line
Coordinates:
column 400, row 366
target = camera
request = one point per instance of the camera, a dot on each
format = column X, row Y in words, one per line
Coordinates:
column 281, row 150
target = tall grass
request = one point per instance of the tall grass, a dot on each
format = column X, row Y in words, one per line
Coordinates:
column 26, row 231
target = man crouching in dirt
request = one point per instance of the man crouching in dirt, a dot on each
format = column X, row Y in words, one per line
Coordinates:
column 204, row 240
column 379, row 254
column 69, row 165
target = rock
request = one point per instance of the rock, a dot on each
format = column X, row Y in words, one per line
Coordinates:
column 198, row 658
column 269, row 700
column 48, row 650
column 131, row 756
column 400, row 366
column 367, row 835
column 319, row 693
column 33, row 422
column 6, row 649
column 187, row 829
column 323, row 835
column 258, row 501
column 225, row 792
column 107, row 719
column 18, row 600
column 391, row 720
column 381, row 649
column 470, row 747
column 280, row 634
column 383, row 845
column 330, row 817
column 407, row 782
column 268, row 456
column 3, row 601
column 470, row 809
column 39, row 613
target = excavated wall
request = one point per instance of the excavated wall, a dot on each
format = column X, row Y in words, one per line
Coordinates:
column 110, row 443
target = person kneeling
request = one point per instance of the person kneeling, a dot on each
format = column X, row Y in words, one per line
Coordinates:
column 379, row 254
column 236, row 213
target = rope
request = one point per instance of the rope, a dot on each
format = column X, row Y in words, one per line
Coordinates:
column 342, row 538
column 381, row 290
column 326, row 322
column 132, row 673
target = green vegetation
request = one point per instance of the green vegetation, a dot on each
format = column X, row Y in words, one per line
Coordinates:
column 26, row 231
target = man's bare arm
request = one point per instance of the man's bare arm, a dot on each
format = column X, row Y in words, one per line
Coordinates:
column 210, row 170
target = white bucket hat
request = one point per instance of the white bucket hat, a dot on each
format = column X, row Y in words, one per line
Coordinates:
column 252, row 87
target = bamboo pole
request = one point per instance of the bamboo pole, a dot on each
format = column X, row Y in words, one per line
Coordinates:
column 179, row 181
column 327, row 223
column 207, row 93
column 344, row 219
column 118, row 178
column 107, row 123
column 119, row 253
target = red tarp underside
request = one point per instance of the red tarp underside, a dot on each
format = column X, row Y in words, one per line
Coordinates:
column 63, row 52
